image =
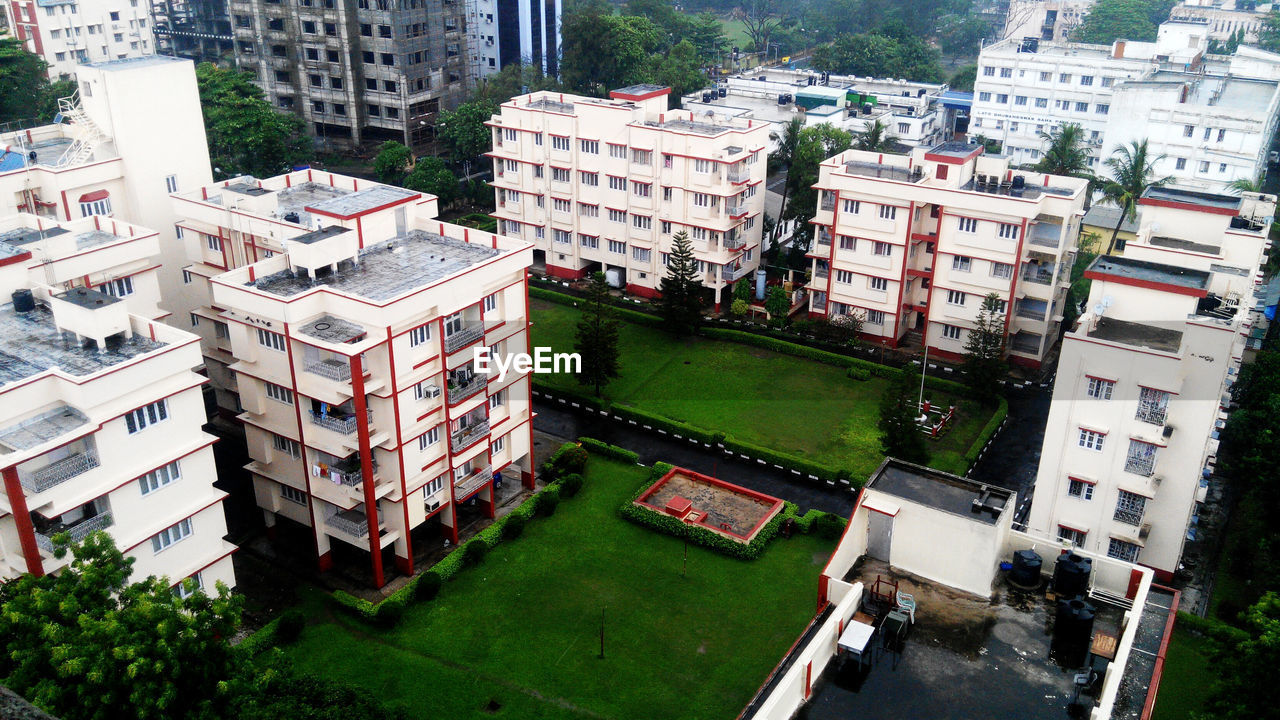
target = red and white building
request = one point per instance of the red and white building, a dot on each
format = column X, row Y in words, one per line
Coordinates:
column 603, row 185
column 912, row 244
column 343, row 321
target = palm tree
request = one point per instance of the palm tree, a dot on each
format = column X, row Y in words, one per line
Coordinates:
column 1068, row 154
column 1245, row 185
column 786, row 154
column 875, row 137
column 1132, row 173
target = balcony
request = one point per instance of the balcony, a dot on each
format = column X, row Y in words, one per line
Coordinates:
column 459, row 391
column 824, row 238
column 58, row 471
column 736, row 209
column 730, row 274
column 331, row 368
column 1025, row 342
column 463, row 337
column 821, row 272
column 1032, row 309
column 469, row 435
column 472, row 481
column 828, row 202
column 1144, row 465
column 734, row 241
column 1129, row 517
column 737, row 174
column 353, row 523
column 1039, row 274
column 341, row 424
column 78, row 531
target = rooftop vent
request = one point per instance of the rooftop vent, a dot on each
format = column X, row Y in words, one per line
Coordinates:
column 91, row 316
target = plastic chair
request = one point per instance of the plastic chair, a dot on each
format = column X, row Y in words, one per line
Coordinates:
column 907, row 603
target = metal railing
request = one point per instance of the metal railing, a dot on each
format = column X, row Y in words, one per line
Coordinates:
column 828, row 202
column 343, row 425
column 731, row 274
column 1023, row 342
column 77, row 532
column 460, row 392
column 59, row 471
column 468, row 436
column 824, row 238
column 1129, row 517
column 1025, row 311
column 1144, row 465
column 821, row 272
column 350, row 526
column 1039, row 275
column 463, row 337
column 738, row 175
column 735, row 209
column 331, row 368
column 472, row 480
column 733, row 241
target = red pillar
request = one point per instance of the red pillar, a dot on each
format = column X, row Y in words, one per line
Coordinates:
column 325, row 561
column 527, row 479
column 490, row 504
column 22, row 519
column 366, row 467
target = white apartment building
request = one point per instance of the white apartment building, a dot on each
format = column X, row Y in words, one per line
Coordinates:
column 346, row 333
column 1225, row 17
column 1052, row 20
column 67, row 33
column 135, row 135
column 912, row 244
column 100, row 429
column 1142, row 378
column 603, row 185
column 1212, row 117
column 914, row 112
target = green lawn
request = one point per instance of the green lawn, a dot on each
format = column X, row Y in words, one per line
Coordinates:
column 522, row 629
column 1187, row 678
column 781, row 402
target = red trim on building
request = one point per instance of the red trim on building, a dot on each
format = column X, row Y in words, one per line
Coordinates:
column 22, row 521
column 1149, row 284
column 637, row 97
column 1193, row 207
column 366, row 466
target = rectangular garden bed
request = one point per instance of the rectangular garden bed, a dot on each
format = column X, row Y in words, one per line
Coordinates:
column 723, row 508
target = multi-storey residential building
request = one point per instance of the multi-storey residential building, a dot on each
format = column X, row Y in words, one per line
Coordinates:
column 506, row 32
column 366, row 71
column 1142, row 378
column 67, row 33
column 1210, row 117
column 1227, row 19
column 913, row 112
column 1044, row 19
column 367, row 412
column 604, row 185
column 913, row 243
column 198, row 30
column 135, row 135
column 100, row 429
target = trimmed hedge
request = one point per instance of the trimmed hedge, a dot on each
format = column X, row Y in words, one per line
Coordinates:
column 785, row 460
column 988, row 431
column 623, row 313
column 609, row 451
column 668, row 525
column 1211, row 628
column 661, row 422
column 291, row 622
column 570, row 485
column 267, row 636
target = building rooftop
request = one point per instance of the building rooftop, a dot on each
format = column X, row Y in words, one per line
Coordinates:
column 318, row 235
column 1105, row 216
column 1192, row 197
column 332, row 330
column 940, row 491
column 296, row 199
column 1143, row 271
column 31, row 344
column 876, row 170
column 953, row 149
column 545, row 103
column 48, row 152
column 1137, row 334
column 87, row 298
column 707, row 127
column 1231, row 93
column 1179, row 244
column 360, row 201
column 641, row 89
column 134, row 62
column 40, row 429
column 388, row 269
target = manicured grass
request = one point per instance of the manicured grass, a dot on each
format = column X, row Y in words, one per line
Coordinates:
column 736, row 31
column 781, row 402
column 523, row 628
column 1188, row 677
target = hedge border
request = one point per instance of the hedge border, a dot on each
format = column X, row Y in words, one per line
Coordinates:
column 987, row 434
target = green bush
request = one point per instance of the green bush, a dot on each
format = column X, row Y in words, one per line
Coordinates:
column 658, row 470
column 739, row 307
column 353, row 605
column 666, row 524
column 547, row 501
column 574, row 395
column 988, row 431
column 513, row 527
column 789, row 462
column 390, row 611
column 828, row 526
column 609, row 451
column 292, row 622
column 265, row 637
column 661, row 422
column 570, row 485
column 624, row 312
column 570, row 460
column 860, row 374
column 427, row 586
column 474, row 551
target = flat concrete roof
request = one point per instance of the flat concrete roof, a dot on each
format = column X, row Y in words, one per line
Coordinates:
column 87, row 298
column 40, row 429
column 1142, row 270
column 362, row 200
column 321, row 234
column 1105, row 216
column 1192, row 197
column 940, row 490
column 388, row 269
column 1137, row 334
column 1179, row 244
column 31, row 344
column 333, row 330
column 133, row 62
column 1229, row 92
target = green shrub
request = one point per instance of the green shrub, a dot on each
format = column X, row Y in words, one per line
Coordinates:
column 265, row 637
column 570, row 485
column 389, row 611
column 513, row 527
column 658, row 470
column 739, row 307
column 609, row 451
column 474, row 551
column 427, row 586
column 666, row 524
column 353, row 605
column 988, row 431
column 570, row 460
column 860, row 374
column 661, row 422
column 789, row 462
column 828, row 526
column 547, row 501
column 291, row 624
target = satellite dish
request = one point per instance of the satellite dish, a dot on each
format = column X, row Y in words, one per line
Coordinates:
column 1102, row 305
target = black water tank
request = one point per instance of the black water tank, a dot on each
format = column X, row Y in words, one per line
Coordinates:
column 1019, row 182
column 1026, row 569
column 1071, row 574
column 23, row 301
column 706, row 96
column 291, row 217
column 782, row 99
column 1073, row 623
column 722, row 91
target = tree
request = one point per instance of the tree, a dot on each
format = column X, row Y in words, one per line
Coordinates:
column 760, row 18
column 875, row 137
column 601, row 51
column 512, row 80
column 463, row 133
column 23, row 81
column 1132, row 172
column 1246, row 185
column 246, row 135
column 596, row 338
column 679, row 69
column 1245, row 669
column 430, row 175
column 964, row 78
column 742, row 290
column 682, row 287
column 1269, row 33
column 777, row 303
column 984, row 363
column 392, row 162
column 961, row 34
column 900, row 435
column 785, row 155
column 814, row 145
column 1068, row 154
column 879, row 54
column 1111, row 20
column 86, row 644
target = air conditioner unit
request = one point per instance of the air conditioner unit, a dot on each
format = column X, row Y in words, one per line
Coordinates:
column 431, row 507
column 431, row 391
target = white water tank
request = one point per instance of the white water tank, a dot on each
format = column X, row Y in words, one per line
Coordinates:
column 613, row 277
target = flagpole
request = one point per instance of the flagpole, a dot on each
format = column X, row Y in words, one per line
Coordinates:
column 924, row 367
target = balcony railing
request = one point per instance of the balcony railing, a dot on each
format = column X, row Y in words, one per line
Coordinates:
column 59, row 471
column 344, row 425
column 1040, row 275
column 1026, row 342
column 1031, row 312
column 737, row 175
column 472, row 480
column 821, row 272
column 1129, row 517
column 467, row 335
column 733, row 241
column 461, row 391
column 735, row 209
column 331, row 368
column 1144, row 465
column 78, row 532
column 350, row 522
column 466, row 437
column 828, row 202
column 731, row 274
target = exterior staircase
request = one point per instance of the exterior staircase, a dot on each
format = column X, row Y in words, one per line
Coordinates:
column 88, row 135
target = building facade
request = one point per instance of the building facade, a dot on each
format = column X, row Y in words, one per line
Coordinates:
column 199, row 30
column 342, row 321
column 135, row 135
column 100, row 429
column 1142, row 380
column 67, row 34
column 912, row 244
column 507, row 32
column 605, row 184
column 1227, row 19
column 362, row 72
column 1052, row 20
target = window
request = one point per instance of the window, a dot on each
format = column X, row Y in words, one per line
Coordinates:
column 875, row 317
column 286, row 445
column 1002, row 98
column 642, row 222
column 642, row 189
column 159, row 477
column 960, row 263
column 951, row 332
column 1001, row 270
column 1204, row 166
column 619, row 216
column 498, row 445
column 560, row 174
column 428, row 438
column 968, row 225
column 1222, row 167
column 955, row 297
column 989, row 71
column 852, row 207
column 1107, row 82
column 701, row 200
column 186, row 274
column 844, row 276
column 279, row 393
column 1100, row 389
column 586, row 210
column 1082, row 107
column 1045, row 76
column 171, row 183
column 1180, row 163
column 904, row 128
column 642, row 157
column 617, row 247
column 984, row 96
column 1071, row 535
column 433, row 487
column 171, row 535
column 1064, row 78
column 1091, row 440
column 1009, row 231
column 1020, row 100
column 1042, row 102
column 617, row 183
column 1153, row 406
column 1079, row 489
column 882, row 248
column 640, row 255
column 1006, row 72
column 665, row 227
column 879, row 284
column 562, row 236
column 96, row 203
column 419, row 335
column 1129, row 508
column 1086, row 80
column 591, row 147
column 589, row 178
column 559, row 143
column 888, row 212
column 293, row 494
column 703, row 166
column 120, row 287
column 1121, row 550
column 147, row 415
column 589, row 241
column 561, row 205
column 617, row 151
column 1222, row 135
column 848, row 243
column 1102, row 108
column 273, row 340
column 1188, row 130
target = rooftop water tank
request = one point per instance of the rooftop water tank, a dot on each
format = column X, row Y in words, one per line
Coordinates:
column 23, row 301
column 1071, row 574
column 1026, row 569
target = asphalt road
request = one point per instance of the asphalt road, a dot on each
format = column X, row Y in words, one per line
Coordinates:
column 1012, row 460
